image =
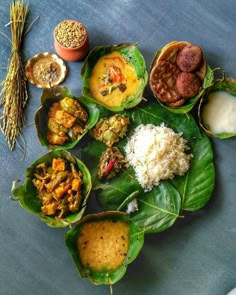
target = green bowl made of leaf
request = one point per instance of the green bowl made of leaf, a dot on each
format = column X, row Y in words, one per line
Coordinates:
column 56, row 188
column 171, row 77
column 62, row 119
column 217, row 109
column 103, row 244
column 114, row 76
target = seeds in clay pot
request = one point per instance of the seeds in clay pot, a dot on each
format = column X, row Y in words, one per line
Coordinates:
column 70, row 34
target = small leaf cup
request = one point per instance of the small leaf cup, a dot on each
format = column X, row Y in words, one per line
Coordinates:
column 26, row 193
column 114, row 242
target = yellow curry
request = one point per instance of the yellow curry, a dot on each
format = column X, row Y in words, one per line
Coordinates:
column 103, row 244
column 113, row 80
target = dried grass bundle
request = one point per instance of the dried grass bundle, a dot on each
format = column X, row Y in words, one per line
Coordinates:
column 14, row 93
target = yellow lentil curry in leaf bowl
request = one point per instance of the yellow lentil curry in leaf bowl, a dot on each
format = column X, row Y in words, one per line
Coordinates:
column 102, row 245
column 114, row 76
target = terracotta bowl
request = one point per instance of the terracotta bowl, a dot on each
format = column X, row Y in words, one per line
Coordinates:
column 72, row 53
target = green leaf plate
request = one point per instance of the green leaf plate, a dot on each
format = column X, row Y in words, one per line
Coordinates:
column 159, row 208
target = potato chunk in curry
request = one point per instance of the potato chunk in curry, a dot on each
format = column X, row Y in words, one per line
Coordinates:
column 66, row 121
column 59, row 187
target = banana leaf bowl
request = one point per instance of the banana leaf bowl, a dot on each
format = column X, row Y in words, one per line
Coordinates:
column 102, row 246
column 27, row 193
column 217, row 109
column 57, row 95
column 108, row 75
column 169, row 83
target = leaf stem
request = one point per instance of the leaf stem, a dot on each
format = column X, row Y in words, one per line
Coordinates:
column 111, row 289
column 27, row 31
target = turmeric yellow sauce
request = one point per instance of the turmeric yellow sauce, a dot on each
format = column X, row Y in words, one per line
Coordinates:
column 103, row 244
column 113, row 80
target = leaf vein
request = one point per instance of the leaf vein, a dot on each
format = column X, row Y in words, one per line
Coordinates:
column 158, row 208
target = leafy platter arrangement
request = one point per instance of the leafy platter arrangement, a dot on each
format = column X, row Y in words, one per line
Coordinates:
column 57, row 185
column 128, row 210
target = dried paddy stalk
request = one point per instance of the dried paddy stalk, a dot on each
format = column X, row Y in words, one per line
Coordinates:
column 14, row 93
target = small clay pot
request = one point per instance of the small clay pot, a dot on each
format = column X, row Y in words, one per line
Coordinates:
column 72, row 53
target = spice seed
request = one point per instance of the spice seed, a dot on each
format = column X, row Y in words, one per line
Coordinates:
column 70, row 34
column 46, row 71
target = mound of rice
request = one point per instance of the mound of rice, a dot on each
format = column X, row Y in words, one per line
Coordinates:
column 156, row 153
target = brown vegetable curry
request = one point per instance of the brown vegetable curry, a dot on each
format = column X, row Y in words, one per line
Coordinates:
column 66, row 121
column 59, row 187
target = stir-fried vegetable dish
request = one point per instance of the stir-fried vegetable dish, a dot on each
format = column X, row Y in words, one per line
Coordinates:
column 66, row 121
column 110, row 130
column 59, row 187
column 110, row 163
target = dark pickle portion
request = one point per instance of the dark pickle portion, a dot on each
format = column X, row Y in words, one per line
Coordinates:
column 111, row 163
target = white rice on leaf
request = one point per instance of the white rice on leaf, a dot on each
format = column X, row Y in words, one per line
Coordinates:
column 156, row 153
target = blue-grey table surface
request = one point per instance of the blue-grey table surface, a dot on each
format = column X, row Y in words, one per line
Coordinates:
column 197, row 255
